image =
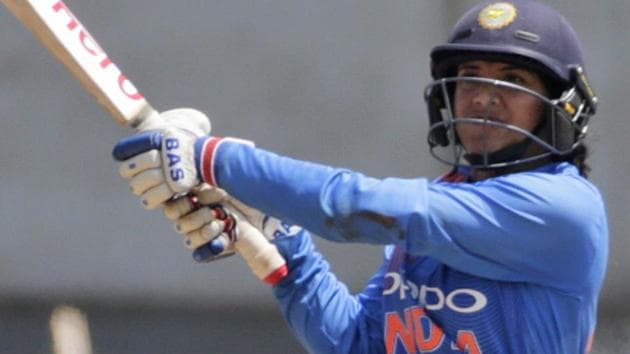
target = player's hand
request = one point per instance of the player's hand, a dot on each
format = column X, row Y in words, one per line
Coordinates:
column 204, row 221
column 207, row 217
column 216, row 225
column 163, row 162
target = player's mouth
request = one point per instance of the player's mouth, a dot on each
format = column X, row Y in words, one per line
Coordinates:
column 485, row 116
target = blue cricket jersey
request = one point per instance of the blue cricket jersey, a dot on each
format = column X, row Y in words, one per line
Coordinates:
column 511, row 264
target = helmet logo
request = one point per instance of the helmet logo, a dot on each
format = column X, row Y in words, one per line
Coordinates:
column 497, row 15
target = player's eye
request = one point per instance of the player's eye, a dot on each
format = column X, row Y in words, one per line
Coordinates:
column 468, row 73
column 515, row 79
column 465, row 84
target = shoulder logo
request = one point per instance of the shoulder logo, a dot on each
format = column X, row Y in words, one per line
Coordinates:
column 497, row 15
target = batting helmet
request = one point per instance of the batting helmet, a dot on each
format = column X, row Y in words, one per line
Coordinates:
column 528, row 34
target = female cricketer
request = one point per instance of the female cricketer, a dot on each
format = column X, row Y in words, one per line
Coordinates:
column 505, row 253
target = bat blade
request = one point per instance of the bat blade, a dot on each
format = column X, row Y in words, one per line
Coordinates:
column 52, row 22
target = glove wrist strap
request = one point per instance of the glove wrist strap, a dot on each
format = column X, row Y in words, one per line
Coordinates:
column 205, row 155
column 204, row 158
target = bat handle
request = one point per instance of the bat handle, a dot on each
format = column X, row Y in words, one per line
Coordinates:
column 262, row 256
column 149, row 119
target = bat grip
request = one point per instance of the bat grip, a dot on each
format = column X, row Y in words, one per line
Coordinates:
column 262, row 256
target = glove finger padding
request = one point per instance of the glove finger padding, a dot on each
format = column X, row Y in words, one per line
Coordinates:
column 146, row 180
column 210, row 251
column 196, row 220
column 178, row 207
column 207, row 195
column 144, row 161
column 211, row 235
column 206, row 224
column 156, row 196
column 204, row 194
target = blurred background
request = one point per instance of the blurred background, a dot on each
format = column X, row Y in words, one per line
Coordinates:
column 338, row 82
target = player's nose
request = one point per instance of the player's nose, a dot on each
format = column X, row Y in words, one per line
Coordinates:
column 485, row 96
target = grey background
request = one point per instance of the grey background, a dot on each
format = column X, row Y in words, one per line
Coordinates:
column 338, row 82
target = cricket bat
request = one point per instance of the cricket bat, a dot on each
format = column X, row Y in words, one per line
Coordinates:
column 59, row 31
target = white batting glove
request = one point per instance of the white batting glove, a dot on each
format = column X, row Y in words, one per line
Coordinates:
column 216, row 225
column 209, row 214
column 159, row 163
column 201, row 218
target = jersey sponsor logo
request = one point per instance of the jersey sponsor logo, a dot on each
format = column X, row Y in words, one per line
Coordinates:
column 464, row 300
column 417, row 333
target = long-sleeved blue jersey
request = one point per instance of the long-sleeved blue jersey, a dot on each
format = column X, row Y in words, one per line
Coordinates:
column 512, row 264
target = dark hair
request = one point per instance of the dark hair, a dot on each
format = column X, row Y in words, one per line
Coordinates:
column 577, row 157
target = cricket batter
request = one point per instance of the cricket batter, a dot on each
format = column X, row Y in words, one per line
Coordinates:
column 505, row 253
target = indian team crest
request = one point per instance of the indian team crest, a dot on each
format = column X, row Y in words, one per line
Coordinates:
column 497, row 15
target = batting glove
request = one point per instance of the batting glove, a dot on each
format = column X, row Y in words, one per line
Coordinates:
column 168, row 161
column 216, row 225
column 201, row 217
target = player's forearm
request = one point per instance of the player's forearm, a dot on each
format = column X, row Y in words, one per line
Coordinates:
column 286, row 188
column 336, row 204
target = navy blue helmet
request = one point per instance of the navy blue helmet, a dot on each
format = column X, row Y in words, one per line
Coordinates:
column 528, row 34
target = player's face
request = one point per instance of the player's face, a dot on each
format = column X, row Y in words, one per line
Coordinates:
column 499, row 104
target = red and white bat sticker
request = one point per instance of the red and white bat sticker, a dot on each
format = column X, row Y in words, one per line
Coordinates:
column 122, row 95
